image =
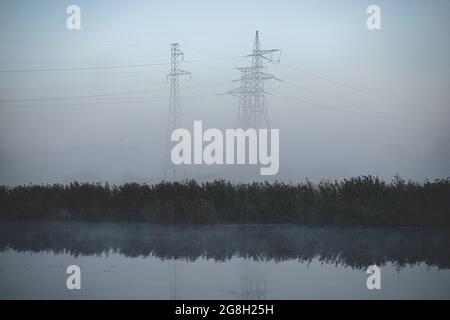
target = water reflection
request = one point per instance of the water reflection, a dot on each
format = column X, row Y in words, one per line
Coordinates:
column 356, row 248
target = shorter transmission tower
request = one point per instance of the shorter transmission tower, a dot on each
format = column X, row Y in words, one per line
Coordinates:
column 174, row 119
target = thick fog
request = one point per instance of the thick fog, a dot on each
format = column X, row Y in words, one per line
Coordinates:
column 92, row 104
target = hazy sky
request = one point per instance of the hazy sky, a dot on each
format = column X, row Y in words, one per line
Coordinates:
column 353, row 101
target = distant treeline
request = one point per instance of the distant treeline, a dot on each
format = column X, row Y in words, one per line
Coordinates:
column 360, row 201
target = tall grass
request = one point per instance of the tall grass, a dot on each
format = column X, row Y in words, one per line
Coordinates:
column 362, row 201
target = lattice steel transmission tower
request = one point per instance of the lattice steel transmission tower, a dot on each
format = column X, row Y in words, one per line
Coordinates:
column 253, row 280
column 170, row 170
column 244, row 91
column 175, row 280
column 252, row 109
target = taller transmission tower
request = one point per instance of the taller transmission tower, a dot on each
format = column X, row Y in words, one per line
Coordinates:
column 252, row 110
column 170, row 170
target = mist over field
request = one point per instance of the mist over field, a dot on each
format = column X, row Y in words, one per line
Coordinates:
column 352, row 102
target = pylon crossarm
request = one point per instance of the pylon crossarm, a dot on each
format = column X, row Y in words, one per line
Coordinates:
column 275, row 78
column 244, row 68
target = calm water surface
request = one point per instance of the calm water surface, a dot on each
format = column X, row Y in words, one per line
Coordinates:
column 143, row 261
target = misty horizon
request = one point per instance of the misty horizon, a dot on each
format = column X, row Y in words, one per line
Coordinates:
column 352, row 102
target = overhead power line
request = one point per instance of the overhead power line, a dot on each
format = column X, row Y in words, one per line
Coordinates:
column 109, row 67
column 85, row 68
column 84, row 43
column 103, row 95
column 358, row 113
column 74, row 97
column 95, row 103
column 348, row 86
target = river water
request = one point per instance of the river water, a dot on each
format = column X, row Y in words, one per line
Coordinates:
column 145, row 261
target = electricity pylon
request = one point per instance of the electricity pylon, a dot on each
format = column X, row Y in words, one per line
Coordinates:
column 253, row 280
column 244, row 94
column 252, row 110
column 170, row 170
column 175, row 280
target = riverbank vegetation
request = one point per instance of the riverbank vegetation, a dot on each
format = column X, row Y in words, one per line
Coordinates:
column 360, row 201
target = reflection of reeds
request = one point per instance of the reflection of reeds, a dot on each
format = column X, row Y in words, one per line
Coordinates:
column 365, row 201
column 176, row 244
